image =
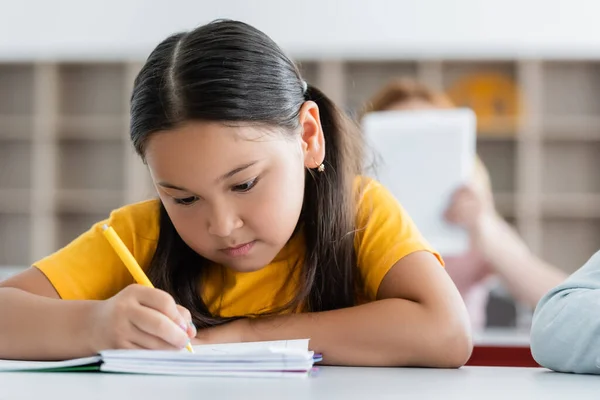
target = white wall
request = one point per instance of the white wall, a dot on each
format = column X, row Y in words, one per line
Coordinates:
column 75, row 29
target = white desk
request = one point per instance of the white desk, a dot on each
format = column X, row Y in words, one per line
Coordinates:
column 331, row 384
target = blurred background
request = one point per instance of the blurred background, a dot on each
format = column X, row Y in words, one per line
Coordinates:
column 530, row 70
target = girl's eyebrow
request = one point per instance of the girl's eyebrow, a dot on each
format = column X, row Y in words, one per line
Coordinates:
column 171, row 186
column 228, row 175
column 237, row 170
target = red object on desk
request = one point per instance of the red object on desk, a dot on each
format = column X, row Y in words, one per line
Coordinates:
column 502, row 356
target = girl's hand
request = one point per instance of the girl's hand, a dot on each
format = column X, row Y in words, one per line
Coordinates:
column 139, row 317
column 231, row 332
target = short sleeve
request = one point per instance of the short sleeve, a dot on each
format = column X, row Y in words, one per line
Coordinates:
column 385, row 234
column 88, row 268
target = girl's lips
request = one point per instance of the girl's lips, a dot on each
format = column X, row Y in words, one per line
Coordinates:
column 239, row 251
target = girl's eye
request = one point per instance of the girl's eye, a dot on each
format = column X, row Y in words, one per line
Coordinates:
column 246, row 186
column 186, row 201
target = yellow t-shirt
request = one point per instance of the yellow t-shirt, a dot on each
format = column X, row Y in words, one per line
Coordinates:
column 89, row 268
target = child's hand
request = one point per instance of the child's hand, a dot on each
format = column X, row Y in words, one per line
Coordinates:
column 231, row 332
column 467, row 208
column 139, row 317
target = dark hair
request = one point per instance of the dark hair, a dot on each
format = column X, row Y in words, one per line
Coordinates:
column 229, row 72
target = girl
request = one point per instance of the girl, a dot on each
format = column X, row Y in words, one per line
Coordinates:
column 496, row 248
column 263, row 228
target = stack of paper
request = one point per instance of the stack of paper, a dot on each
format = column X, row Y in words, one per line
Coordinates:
column 279, row 358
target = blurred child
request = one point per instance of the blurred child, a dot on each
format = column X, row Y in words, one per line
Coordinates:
column 495, row 247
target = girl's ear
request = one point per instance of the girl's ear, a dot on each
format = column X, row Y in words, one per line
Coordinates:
column 311, row 139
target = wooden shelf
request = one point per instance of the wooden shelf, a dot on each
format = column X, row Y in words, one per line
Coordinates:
column 499, row 157
column 569, row 242
column 362, row 80
column 92, row 127
column 85, row 164
column 16, row 127
column 15, row 164
column 572, row 205
column 14, row 239
column 70, row 225
column 17, row 89
column 505, row 203
column 78, row 201
column 92, row 88
column 500, row 129
column 577, row 128
column 15, row 201
column 508, row 137
column 570, row 167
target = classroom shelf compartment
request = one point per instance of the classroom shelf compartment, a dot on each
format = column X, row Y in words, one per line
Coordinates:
column 93, row 128
column 499, row 158
column 15, row 201
column 71, row 225
column 91, row 165
column 15, row 164
column 309, row 70
column 570, row 88
column 14, row 239
column 569, row 242
column 92, row 89
column 571, row 167
column 505, row 203
column 571, row 205
column 572, row 128
column 503, row 124
column 97, row 201
column 364, row 79
column 17, row 86
column 16, row 127
column 455, row 70
column 503, row 131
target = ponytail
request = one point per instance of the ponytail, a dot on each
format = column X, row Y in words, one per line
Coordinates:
column 328, row 214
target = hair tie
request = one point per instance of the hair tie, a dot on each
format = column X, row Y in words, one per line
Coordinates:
column 304, row 87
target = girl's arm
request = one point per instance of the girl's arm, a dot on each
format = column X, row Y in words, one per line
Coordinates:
column 36, row 324
column 419, row 319
column 566, row 324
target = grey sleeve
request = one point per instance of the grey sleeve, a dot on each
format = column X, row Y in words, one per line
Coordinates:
column 565, row 333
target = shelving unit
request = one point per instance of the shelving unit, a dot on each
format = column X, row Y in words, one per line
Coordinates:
column 66, row 160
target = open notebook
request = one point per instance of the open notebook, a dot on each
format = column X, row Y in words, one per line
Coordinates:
column 260, row 359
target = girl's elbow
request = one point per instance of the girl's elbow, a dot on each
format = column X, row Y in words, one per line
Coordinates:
column 450, row 343
column 456, row 345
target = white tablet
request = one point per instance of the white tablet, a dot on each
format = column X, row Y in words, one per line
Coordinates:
column 422, row 157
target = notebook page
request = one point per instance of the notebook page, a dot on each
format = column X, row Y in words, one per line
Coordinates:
column 227, row 351
column 15, row 365
column 250, row 347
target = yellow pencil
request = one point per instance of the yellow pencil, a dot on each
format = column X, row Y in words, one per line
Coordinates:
column 129, row 261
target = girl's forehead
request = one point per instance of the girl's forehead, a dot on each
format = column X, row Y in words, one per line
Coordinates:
column 212, row 136
column 209, row 144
